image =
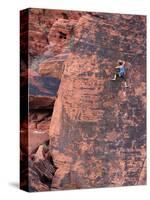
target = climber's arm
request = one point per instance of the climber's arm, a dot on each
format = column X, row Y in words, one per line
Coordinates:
column 123, row 63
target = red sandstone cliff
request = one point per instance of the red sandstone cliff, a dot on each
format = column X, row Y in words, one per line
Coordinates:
column 97, row 134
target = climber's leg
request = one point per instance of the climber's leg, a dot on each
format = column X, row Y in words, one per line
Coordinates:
column 125, row 82
column 115, row 76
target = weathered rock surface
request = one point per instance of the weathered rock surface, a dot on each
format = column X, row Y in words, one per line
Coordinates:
column 42, row 94
column 97, row 134
column 46, row 28
column 97, row 131
column 53, row 66
column 38, row 125
column 42, row 91
column 40, row 170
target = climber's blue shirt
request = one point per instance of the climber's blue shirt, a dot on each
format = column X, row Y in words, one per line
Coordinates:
column 122, row 71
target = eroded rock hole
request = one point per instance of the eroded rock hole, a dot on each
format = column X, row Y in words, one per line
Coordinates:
column 65, row 16
column 62, row 35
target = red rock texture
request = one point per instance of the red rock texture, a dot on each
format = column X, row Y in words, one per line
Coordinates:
column 41, row 101
column 45, row 28
column 97, row 131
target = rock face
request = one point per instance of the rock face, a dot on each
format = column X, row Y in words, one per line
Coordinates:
column 42, row 91
column 83, row 130
column 49, row 30
column 97, row 131
column 53, row 67
column 42, row 94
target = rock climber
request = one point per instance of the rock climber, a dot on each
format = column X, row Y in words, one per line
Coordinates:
column 121, row 71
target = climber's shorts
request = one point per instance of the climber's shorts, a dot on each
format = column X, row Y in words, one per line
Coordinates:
column 121, row 75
